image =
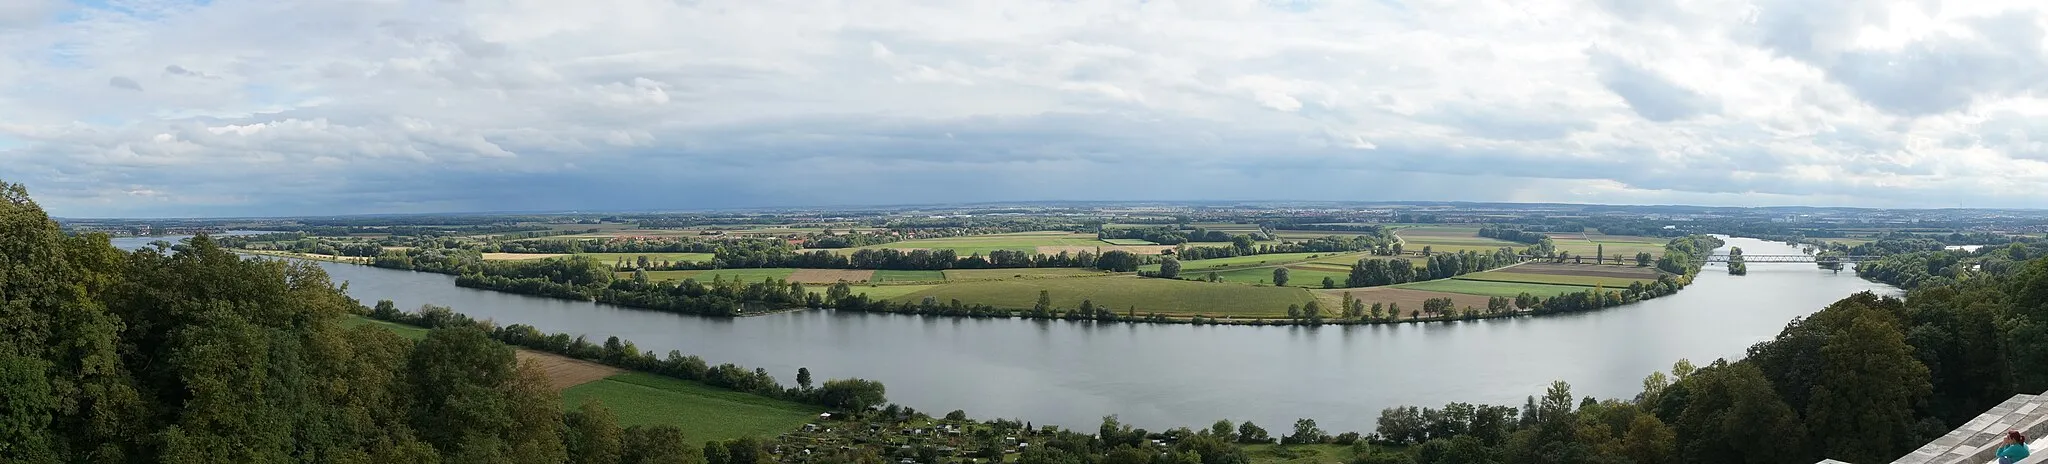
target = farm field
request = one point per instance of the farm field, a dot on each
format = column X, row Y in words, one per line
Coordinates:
column 827, row 276
column 1028, row 242
column 1298, row 235
column 1120, row 293
column 1128, row 241
column 1017, row 273
column 1486, row 288
column 1244, row 261
column 1626, row 245
column 908, row 276
column 879, row 292
column 743, row 274
column 1304, row 277
column 703, row 412
column 1553, row 279
column 565, row 372
column 607, row 258
column 1450, row 239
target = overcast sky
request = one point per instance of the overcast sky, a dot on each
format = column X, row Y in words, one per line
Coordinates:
column 266, row 107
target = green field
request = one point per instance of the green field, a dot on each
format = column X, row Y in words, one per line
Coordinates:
column 908, row 276
column 609, row 258
column 1249, row 261
column 880, row 292
column 1027, row 242
column 1121, row 293
column 1017, row 273
column 703, row 412
column 1487, row 288
column 1296, row 277
column 1587, row 281
column 1128, row 241
column 1625, row 245
column 705, row 276
column 409, row 332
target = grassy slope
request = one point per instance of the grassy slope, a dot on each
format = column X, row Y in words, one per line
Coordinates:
column 409, row 332
column 703, row 412
column 1480, row 287
column 1121, row 293
column 909, row 276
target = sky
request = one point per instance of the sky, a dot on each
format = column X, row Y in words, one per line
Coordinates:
column 160, row 108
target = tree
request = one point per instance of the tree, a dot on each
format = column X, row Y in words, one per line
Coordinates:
column 1280, row 277
column 1643, row 259
column 1169, row 268
column 1251, row 433
column 1862, row 406
column 803, row 378
column 1044, row 304
column 1730, row 414
column 852, row 394
column 594, row 435
column 1223, row 429
column 660, row 444
column 1329, row 282
column 1305, row 432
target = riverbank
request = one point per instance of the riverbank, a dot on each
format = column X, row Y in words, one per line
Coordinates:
column 1076, row 371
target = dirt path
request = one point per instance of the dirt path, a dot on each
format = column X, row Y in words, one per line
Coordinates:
column 563, row 371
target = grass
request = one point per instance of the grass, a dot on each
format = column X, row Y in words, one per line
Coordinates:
column 1296, row 277
column 703, row 412
column 1551, row 279
column 1128, row 241
column 908, row 276
column 409, row 332
column 1019, row 273
column 1051, row 242
column 705, row 276
column 1298, row 454
column 1489, row 288
column 1625, row 245
column 609, row 258
column 1121, row 293
column 1248, row 261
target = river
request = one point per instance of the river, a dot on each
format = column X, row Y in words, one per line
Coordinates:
column 1159, row 376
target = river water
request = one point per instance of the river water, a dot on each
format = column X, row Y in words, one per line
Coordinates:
column 1161, row 376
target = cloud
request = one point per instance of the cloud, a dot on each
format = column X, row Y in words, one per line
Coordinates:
column 123, row 83
column 324, row 107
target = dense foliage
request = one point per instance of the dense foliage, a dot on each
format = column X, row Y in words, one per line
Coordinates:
column 191, row 354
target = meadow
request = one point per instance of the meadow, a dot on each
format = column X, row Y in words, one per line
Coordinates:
column 1016, row 273
column 1627, row 246
column 703, row 412
column 1450, row 239
column 1550, row 279
column 908, row 276
column 1122, row 293
column 1027, row 242
column 608, row 258
column 1489, row 288
column 706, row 276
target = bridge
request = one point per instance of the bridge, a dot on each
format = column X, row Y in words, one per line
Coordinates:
column 1789, row 259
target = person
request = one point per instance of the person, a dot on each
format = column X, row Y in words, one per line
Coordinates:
column 2013, row 449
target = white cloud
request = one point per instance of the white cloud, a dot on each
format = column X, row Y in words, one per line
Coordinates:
column 317, row 107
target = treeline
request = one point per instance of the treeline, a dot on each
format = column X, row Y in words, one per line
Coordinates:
column 1512, row 234
column 918, row 259
column 1374, row 272
column 1329, row 244
column 1866, row 379
column 300, row 242
column 1736, row 266
column 189, row 354
column 614, row 245
column 585, row 279
column 1172, row 235
column 850, row 394
column 1946, row 267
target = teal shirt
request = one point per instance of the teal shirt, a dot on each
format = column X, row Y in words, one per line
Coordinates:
column 2012, row 453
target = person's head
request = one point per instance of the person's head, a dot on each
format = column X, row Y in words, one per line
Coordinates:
column 2014, row 436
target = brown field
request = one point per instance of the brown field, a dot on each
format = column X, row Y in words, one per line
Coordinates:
column 499, row 256
column 826, row 276
column 1408, row 299
column 563, row 371
column 1105, row 248
column 1622, row 272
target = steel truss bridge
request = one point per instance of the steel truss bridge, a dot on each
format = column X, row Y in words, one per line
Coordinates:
column 1789, row 259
